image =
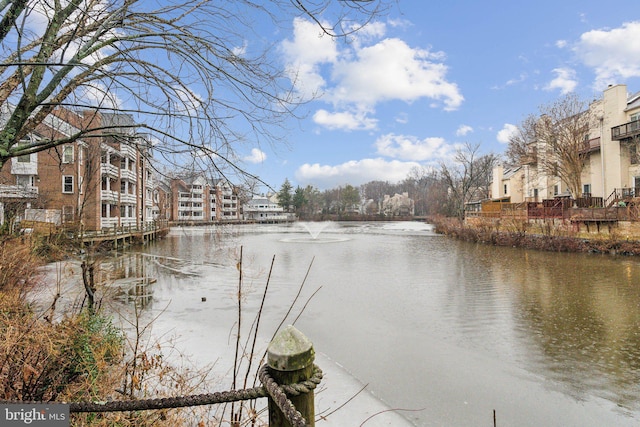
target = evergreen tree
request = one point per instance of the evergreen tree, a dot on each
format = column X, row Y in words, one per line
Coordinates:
column 299, row 200
column 284, row 195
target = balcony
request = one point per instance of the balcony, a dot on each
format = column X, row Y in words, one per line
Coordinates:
column 128, row 175
column 127, row 150
column 108, row 222
column 529, row 159
column 129, row 199
column 24, row 168
column 590, row 146
column 109, row 169
column 627, row 130
column 109, row 196
column 18, row 192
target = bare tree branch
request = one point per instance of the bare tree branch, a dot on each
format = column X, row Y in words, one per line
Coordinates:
column 182, row 70
column 554, row 142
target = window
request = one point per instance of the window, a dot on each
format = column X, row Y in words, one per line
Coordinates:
column 505, row 189
column 67, row 154
column 634, row 159
column 556, row 190
column 24, row 180
column 67, row 184
column 68, row 213
column 635, row 122
column 586, row 189
column 26, row 158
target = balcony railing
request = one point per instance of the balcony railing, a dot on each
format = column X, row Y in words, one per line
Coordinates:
column 590, row 146
column 128, row 198
column 109, row 169
column 109, row 195
column 626, row 130
column 128, row 175
column 18, row 192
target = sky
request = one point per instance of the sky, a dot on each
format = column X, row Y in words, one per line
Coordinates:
column 426, row 77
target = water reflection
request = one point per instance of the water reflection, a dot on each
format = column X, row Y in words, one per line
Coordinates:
column 580, row 321
column 571, row 322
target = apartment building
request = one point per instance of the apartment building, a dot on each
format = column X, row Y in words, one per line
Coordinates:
column 611, row 155
column 126, row 177
column 224, row 201
column 196, row 199
column 190, row 198
column 96, row 182
column 261, row 209
column 508, row 183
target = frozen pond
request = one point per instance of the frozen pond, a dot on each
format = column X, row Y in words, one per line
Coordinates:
column 443, row 331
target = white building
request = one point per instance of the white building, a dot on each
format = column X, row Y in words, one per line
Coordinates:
column 398, row 205
column 261, row 209
column 611, row 155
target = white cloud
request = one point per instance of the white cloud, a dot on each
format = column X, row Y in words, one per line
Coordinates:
column 402, row 118
column 186, row 101
column 355, row 172
column 511, row 82
column 304, row 55
column 392, row 70
column 98, row 94
column 357, row 76
column 613, row 54
column 240, row 50
column 371, row 31
column 560, row 44
column 256, row 156
column 464, row 130
column 507, row 131
column 411, row 148
column 344, row 120
column 565, row 80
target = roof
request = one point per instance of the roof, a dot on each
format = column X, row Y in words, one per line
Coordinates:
column 633, row 101
column 509, row 172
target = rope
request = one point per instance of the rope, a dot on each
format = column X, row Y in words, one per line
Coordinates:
column 279, row 393
column 169, row 402
column 269, row 389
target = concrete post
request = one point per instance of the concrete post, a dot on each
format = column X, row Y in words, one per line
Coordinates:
column 290, row 358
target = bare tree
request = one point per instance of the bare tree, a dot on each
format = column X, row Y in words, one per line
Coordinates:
column 521, row 148
column 180, row 70
column 468, row 177
column 556, row 141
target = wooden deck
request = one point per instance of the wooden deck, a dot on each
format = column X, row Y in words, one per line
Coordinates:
column 119, row 237
column 115, row 237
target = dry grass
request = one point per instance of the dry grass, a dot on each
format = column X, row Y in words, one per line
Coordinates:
column 81, row 356
column 540, row 236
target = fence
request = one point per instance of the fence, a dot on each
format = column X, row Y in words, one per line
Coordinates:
column 288, row 382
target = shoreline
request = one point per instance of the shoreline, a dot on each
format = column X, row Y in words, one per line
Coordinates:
column 552, row 239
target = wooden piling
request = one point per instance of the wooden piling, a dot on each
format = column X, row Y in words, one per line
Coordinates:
column 290, row 358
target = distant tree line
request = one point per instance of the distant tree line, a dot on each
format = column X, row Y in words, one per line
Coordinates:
column 441, row 190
